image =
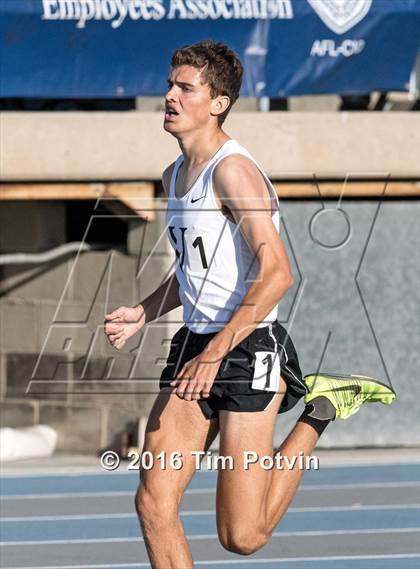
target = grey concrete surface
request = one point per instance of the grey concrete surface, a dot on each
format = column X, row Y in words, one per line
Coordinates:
column 134, row 146
column 55, row 359
column 369, row 324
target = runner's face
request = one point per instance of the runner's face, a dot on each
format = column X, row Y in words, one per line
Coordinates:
column 187, row 102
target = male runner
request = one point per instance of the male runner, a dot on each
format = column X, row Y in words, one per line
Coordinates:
column 232, row 367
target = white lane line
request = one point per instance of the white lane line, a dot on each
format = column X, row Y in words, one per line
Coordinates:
column 209, row 536
column 68, row 495
column 74, row 473
column 99, row 472
column 304, row 487
column 352, row 485
column 292, row 559
column 66, row 474
column 97, row 494
column 130, row 515
column 233, row 561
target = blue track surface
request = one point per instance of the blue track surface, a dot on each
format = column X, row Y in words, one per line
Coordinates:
column 127, row 482
column 330, row 524
column 99, row 528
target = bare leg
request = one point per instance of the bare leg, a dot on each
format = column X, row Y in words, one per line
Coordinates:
column 251, row 502
column 284, row 483
column 241, row 509
column 174, row 425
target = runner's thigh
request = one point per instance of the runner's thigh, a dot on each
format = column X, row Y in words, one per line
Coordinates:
column 174, row 425
column 241, row 494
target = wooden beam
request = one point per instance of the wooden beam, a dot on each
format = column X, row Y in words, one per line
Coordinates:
column 53, row 191
column 137, row 196
column 349, row 189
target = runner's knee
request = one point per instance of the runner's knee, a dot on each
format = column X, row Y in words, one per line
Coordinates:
column 155, row 509
column 242, row 540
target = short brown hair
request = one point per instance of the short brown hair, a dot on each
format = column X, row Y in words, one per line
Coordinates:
column 222, row 70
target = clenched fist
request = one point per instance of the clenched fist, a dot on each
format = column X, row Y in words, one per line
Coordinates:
column 123, row 323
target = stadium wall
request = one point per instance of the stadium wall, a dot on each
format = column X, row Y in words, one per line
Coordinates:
column 353, row 307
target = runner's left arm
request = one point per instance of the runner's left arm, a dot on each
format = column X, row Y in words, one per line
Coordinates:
column 241, row 188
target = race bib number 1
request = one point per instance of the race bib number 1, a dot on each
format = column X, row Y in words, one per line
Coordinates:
column 267, row 371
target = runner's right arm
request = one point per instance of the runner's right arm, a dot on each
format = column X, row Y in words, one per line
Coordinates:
column 166, row 297
column 124, row 322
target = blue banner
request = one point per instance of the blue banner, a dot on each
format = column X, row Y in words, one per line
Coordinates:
column 122, row 48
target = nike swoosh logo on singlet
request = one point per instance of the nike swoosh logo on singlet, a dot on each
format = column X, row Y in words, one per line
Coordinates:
column 197, row 199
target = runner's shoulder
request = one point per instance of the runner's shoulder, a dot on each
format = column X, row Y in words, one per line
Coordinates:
column 234, row 163
column 236, row 168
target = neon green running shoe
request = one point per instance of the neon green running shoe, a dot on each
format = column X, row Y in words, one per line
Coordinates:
column 347, row 393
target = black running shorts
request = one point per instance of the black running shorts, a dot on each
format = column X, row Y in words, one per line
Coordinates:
column 248, row 377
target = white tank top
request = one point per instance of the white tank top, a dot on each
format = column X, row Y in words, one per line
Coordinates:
column 215, row 267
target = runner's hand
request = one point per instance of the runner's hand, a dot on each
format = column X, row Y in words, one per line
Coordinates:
column 123, row 323
column 196, row 377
